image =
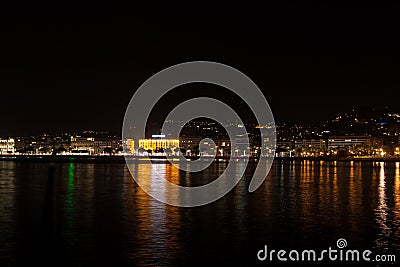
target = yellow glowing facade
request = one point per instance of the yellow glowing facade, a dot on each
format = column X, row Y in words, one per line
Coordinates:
column 130, row 145
column 155, row 144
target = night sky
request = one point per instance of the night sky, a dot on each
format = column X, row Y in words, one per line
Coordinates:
column 78, row 71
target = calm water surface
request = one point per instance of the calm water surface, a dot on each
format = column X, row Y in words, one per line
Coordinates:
column 102, row 218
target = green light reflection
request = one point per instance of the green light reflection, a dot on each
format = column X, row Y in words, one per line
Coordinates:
column 69, row 206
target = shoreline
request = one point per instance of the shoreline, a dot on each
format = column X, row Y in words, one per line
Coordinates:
column 133, row 159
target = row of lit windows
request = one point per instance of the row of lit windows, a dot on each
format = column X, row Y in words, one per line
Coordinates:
column 158, row 143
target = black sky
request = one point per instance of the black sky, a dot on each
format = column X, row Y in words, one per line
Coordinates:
column 75, row 72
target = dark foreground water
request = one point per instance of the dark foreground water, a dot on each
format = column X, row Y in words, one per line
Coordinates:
column 102, row 218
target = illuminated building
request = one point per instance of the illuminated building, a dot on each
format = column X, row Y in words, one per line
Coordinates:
column 352, row 141
column 157, row 142
column 7, row 146
column 82, row 145
column 311, row 144
column 130, row 146
column 240, row 146
column 310, row 147
column 192, row 143
column 224, row 147
column 91, row 145
column 188, row 142
column 101, row 145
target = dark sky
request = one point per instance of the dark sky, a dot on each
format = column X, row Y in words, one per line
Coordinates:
column 78, row 71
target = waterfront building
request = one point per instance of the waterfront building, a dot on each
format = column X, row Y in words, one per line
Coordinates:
column 82, row 145
column 105, row 145
column 284, row 148
column 157, row 143
column 310, row 147
column 240, row 146
column 188, row 142
column 311, row 144
column 224, row 146
column 130, row 146
column 336, row 142
column 94, row 145
column 7, row 146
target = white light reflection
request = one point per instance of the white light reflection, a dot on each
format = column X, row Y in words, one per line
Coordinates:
column 382, row 209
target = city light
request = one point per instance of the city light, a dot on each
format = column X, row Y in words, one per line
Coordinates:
column 364, row 137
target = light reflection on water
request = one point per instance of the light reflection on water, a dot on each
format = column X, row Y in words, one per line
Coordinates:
column 102, row 217
column 7, row 211
column 382, row 209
